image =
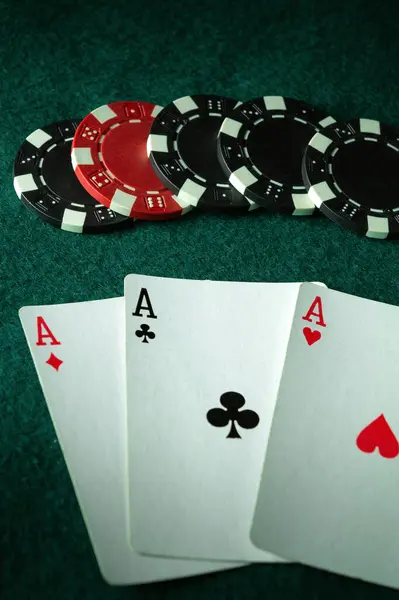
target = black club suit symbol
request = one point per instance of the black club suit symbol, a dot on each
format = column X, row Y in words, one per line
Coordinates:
column 221, row 417
column 145, row 333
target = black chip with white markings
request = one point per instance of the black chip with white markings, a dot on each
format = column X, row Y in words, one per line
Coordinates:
column 351, row 172
column 261, row 146
column 45, row 182
column 182, row 151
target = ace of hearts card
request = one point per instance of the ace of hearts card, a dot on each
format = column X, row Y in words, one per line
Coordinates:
column 329, row 491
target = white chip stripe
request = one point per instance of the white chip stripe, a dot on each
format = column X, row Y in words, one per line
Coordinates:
column 241, row 179
column 183, row 203
column 81, row 156
column 38, row 138
column 252, row 205
column 274, row 103
column 122, row 202
column 73, row 221
column 156, row 110
column 377, row 227
column 321, row 192
column 185, row 104
column 254, row 167
column 103, row 113
column 191, row 192
column 320, row 142
column 157, row 143
column 230, row 127
column 24, row 183
column 327, row 121
column 369, row 126
column 303, row 205
column 297, row 119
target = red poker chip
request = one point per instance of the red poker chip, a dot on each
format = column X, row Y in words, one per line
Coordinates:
column 109, row 157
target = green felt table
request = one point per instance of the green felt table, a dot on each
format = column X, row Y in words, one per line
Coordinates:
column 61, row 60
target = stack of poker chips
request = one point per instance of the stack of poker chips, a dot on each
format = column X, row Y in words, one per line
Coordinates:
column 132, row 161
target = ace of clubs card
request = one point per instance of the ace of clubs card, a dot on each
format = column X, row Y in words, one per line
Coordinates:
column 207, row 358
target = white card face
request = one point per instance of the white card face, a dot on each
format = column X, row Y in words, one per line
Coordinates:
column 207, row 358
column 86, row 398
column 329, row 493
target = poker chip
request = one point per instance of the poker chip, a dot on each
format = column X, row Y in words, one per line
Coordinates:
column 109, row 157
column 261, row 145
column 45, row 182
column 351, row 172
column 182, row 150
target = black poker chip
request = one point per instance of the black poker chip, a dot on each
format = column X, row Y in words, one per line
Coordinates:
column 351, row 172
column 182, row 151
column 45, row 182
column 261, row 146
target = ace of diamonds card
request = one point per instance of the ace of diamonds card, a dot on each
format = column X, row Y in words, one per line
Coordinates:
column 78, row 352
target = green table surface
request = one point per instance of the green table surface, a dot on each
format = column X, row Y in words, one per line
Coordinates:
column 62, row 59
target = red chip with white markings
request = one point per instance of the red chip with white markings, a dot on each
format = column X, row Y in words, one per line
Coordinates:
column 109, row 157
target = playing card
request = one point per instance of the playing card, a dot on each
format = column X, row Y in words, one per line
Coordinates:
column 329, row 492
column 206, row 357
column 78, row 351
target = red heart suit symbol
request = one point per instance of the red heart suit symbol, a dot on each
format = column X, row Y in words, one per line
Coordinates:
column 311, row 335
column 379, row 435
